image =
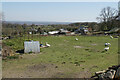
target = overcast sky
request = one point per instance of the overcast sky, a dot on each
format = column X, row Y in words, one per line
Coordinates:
column 54, row 11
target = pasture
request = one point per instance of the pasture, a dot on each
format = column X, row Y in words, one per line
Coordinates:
column 65, row 58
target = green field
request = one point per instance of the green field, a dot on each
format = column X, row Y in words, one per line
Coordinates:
column 65, row 58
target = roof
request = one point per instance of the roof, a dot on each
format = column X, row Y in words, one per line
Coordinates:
column 53, row 32
column 83, row 27
column 62, row 30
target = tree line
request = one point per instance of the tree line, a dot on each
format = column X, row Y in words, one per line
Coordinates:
column 107, row 20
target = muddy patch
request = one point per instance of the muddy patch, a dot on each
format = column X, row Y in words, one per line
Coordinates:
column 78, row 47
column 38, row 67
column 43, row 70
column 83, row 74
column 58, row 75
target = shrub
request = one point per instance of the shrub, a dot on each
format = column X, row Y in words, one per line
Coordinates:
column 9, row 43
column 13, row 57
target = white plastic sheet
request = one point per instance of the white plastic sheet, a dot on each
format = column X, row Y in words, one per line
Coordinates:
column 31, row 46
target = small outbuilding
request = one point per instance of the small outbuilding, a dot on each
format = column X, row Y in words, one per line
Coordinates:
column 31, row 46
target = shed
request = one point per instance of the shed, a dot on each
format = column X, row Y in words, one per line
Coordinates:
column 31, row 46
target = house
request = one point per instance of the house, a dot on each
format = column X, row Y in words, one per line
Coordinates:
column 45, row 33
column 82, row 30
column 34, row 30
column 63, row 31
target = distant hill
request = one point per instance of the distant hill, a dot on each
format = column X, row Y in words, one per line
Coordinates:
column 37, row 23
column 83, row 23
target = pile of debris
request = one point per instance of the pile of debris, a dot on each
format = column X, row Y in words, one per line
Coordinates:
column 112, row 73
column 7, row 51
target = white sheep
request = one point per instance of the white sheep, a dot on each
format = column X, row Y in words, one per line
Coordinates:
column 48, row 45
column 106, row 48
column 111, row 37
column 107, row 44
column 76, row 39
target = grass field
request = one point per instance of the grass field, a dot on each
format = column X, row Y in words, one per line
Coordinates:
column 65, row 58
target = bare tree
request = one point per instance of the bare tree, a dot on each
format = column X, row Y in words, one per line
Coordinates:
column 107, row 17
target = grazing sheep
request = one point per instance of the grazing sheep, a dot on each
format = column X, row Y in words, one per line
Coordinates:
column 111, row 37
column 107, row 44
column 76, row 39
column 47, row 45
column 106, row 48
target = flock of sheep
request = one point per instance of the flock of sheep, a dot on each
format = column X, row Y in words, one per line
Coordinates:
column 106, row 44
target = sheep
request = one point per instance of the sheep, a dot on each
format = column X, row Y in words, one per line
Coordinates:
column 76, row 39
column 106, row 48
column 111, row 37
column 107, row 44
column 48, row 45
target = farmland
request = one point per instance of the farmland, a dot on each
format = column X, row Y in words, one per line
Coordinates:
column 65, row 58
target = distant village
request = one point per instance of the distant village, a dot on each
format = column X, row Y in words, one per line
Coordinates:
column 13, row 30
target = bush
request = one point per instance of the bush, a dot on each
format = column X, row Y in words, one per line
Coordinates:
column 9, row 43
column 13, row 57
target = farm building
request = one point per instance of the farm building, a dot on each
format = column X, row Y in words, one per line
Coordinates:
column 82, row 30
column 31, row 46
column 45, row 33
column 53, row 32
column 63, row 31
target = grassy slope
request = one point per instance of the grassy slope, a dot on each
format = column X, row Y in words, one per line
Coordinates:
column 62, row 50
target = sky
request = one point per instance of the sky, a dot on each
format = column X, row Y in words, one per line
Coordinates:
column 54, row 11
column 59, row 0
